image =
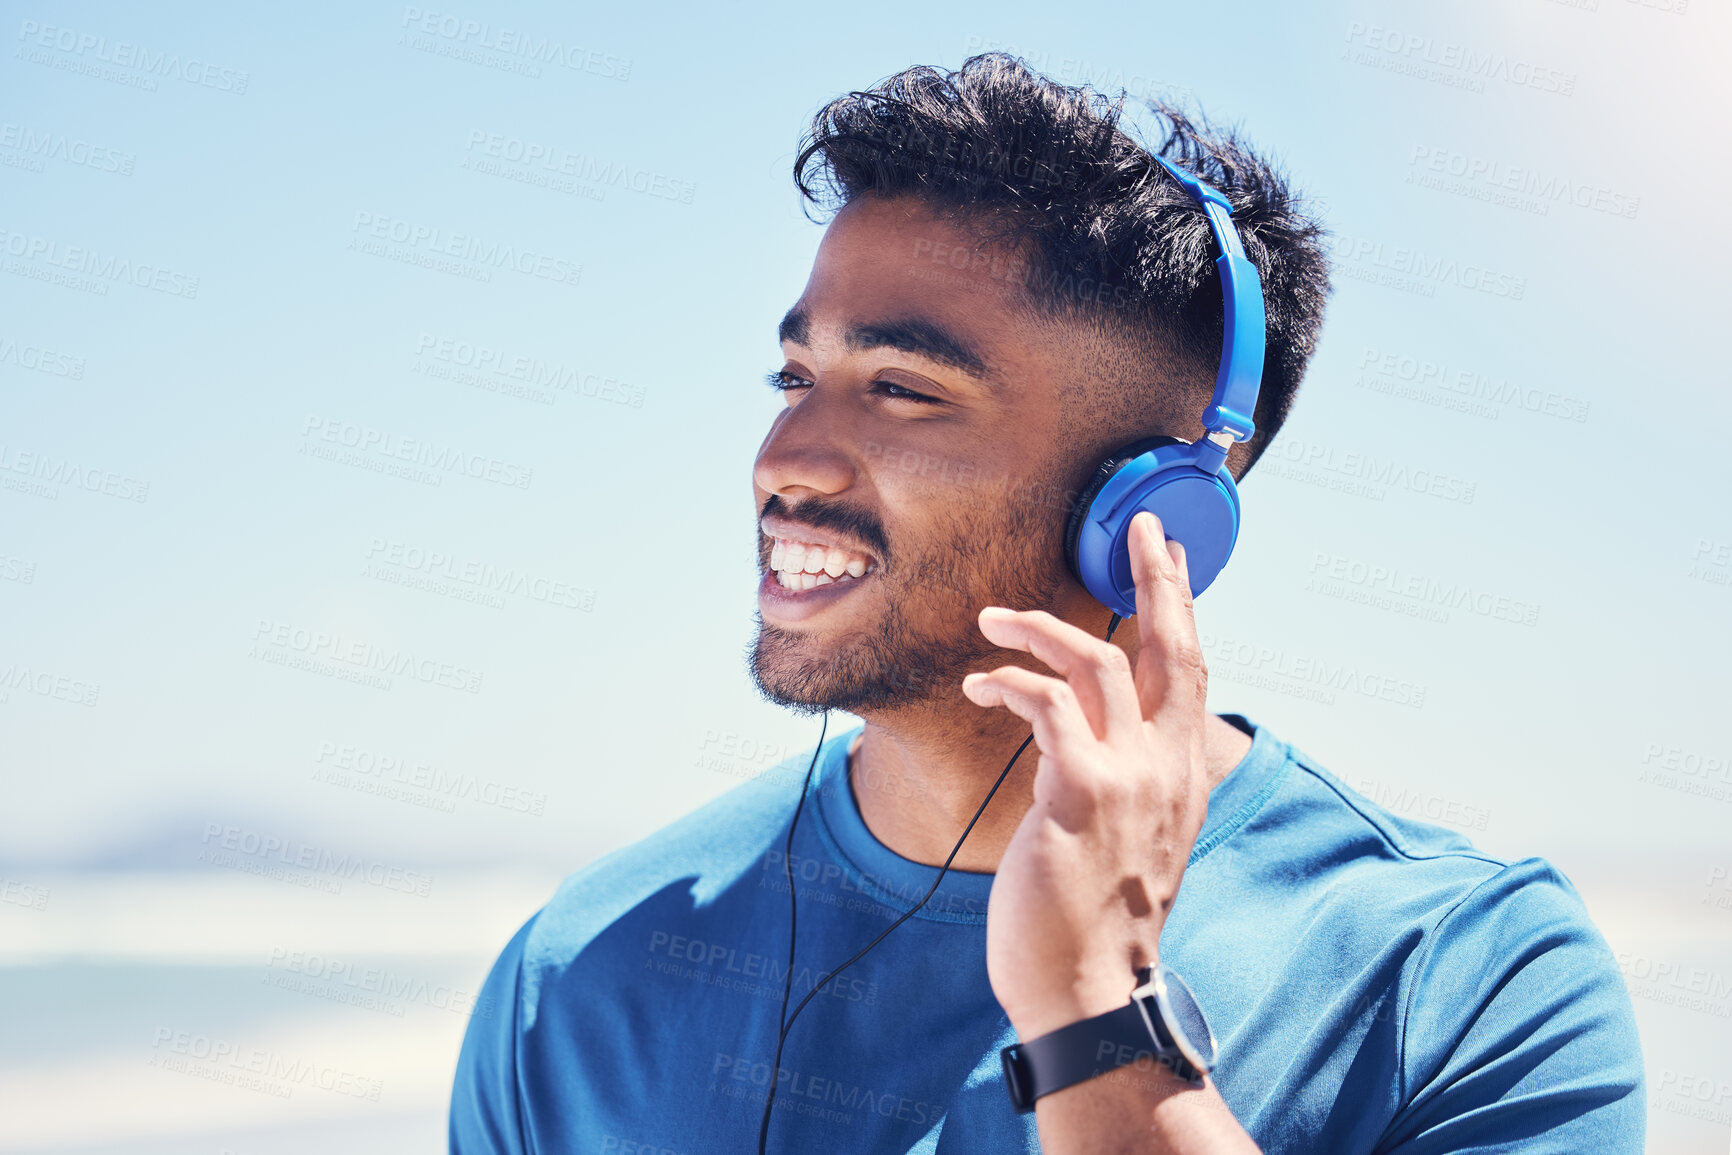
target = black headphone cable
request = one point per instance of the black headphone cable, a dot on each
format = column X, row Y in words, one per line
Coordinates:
column 787, row 852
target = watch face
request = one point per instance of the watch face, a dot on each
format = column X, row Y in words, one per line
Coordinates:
column 1186, row 1018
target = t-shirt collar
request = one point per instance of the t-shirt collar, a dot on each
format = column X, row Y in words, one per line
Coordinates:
column 900, row 883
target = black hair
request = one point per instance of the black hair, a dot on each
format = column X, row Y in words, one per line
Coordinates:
column 1108, row 239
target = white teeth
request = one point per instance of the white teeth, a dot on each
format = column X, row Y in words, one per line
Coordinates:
column 802, row 565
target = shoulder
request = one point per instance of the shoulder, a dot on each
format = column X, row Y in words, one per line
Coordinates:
column 1409, row 820
column 1510, row 1013
column 1322, row 854
column 575, row 937
column 1378, row 841
column 1516, row 1021
column 1377, row 848
column 700, row 854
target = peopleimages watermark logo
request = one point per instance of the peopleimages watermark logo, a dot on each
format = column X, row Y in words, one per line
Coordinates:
column 1309, row 677
column 1521, row 187
column 728, row 967
column 302, row 863
column 528, row 378
column 1676, row 984
column 352, row 659
column 1359, row 474
column 506, row 49
column 468, row 579
column 61, row 687
column 415, row 459
column 17, row 569
column 408, row 780
column 1413, row 802
column 23, row 894
column 1412, row 270
column 1390, row 587
column 1719, row 879
column 830, row 1099
column 31, row 146
column 446, row 251
column 1711, row 562
column 87, row 269
column 1691, row 1095
column 562, row 170
column 39, row 474
column 253, row 1068
column 41, row 359
column 121, row 61
column 1672, row 767
column 857, row 890
column 372, row 988
column 1448, row 62
column 1461, row 390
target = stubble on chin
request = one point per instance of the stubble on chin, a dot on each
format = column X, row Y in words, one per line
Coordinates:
column 926, row 640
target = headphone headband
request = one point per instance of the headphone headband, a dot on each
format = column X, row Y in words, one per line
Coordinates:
column 1241, row 374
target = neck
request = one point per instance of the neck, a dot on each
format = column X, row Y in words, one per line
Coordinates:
column 919, row 781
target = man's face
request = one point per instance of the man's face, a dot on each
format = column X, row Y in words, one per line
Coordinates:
column 943, row 503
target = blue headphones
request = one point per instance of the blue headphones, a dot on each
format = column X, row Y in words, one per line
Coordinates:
column 1184, row 483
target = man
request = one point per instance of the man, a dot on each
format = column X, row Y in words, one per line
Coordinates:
column 1011, row 289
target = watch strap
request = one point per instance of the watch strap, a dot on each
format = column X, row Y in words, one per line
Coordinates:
column 1085, row 1049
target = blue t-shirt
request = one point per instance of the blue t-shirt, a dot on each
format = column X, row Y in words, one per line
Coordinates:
column 1375, row 985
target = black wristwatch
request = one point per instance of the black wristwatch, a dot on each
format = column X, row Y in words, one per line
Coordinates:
column 1162, row 1020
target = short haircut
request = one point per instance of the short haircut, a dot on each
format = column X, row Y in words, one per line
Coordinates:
column 1108, row 241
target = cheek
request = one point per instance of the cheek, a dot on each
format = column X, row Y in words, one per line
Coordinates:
column 927, row 475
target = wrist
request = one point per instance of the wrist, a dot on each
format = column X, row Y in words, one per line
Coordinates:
column 1083, row 997
column 1160, row 1021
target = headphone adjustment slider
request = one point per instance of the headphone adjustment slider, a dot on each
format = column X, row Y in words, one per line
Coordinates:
column 1212, row 450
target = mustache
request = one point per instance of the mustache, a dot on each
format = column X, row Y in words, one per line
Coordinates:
column 842, row 519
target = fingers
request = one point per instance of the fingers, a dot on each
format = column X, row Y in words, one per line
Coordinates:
column 1098, row 672
column 1170, row 675
column 1060, row 729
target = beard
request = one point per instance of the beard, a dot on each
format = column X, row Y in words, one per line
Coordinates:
column 928, row 636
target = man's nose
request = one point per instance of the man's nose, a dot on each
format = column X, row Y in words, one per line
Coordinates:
column 806, row 449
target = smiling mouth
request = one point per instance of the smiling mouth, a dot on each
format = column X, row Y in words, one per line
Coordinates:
column 800, row 565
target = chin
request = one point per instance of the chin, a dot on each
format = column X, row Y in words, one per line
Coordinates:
column 801, row 670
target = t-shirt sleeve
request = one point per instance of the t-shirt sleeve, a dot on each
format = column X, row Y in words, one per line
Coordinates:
column 485, row 1114
column 1518, row 1033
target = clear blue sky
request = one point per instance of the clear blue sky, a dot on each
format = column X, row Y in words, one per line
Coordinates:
column 1539, row 148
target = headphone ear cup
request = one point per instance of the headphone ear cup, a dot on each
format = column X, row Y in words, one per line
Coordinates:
column 1103, row 473
column 1198, row 508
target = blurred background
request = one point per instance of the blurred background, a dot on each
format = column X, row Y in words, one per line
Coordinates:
column 360, row 363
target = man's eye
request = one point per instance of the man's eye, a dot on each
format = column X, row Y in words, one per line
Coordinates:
column 903, row 393
column 782, row 380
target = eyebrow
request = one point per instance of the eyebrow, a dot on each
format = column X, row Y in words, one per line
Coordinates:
column 915, row 335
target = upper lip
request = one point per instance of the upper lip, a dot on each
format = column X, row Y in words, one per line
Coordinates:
column 791, row 531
